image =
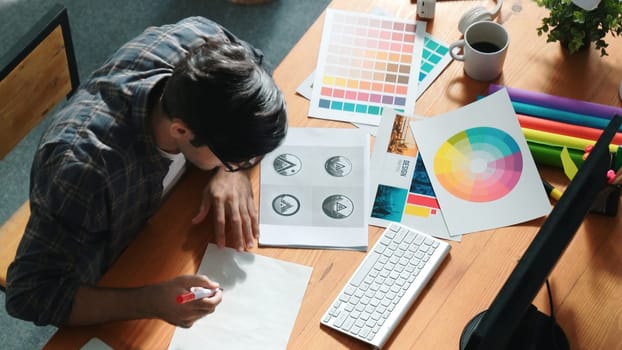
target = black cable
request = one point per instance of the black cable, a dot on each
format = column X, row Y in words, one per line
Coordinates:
column 553, row 321
column 548, row 290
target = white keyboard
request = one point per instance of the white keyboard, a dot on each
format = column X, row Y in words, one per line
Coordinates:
column 385, row 284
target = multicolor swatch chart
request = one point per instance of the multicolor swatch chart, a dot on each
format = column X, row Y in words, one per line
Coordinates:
column 434, row 60
column 366, row 63
column 480, row 164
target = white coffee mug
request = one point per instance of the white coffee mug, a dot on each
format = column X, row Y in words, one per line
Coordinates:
column 484, row 48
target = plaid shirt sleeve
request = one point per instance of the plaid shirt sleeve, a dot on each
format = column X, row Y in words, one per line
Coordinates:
column 62, row 244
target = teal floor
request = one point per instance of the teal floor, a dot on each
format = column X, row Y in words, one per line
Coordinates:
column 98, row 28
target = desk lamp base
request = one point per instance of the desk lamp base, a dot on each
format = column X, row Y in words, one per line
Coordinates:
column 537, row 331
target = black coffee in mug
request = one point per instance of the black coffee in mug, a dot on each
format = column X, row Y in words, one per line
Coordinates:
column 486, row 47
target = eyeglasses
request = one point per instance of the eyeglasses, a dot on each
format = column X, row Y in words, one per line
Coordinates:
column 233, row 167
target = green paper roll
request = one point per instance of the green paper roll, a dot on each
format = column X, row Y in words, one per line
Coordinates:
column 550, row 155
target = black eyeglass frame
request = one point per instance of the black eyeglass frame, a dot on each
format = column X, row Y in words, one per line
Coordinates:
column 234, row 167
column 230, row 167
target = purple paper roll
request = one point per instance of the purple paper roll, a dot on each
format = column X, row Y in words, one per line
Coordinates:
column 558, row 102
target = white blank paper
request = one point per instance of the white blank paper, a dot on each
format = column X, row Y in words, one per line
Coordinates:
column 261, row 299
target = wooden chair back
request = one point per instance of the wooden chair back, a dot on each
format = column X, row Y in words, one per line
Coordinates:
column 37, row 73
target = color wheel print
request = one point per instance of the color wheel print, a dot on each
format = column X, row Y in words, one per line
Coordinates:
column 480, row 164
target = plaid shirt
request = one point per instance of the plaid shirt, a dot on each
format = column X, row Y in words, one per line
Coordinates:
column 97, row 174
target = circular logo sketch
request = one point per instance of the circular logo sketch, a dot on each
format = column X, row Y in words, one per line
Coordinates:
column 338, row 166
column 285, row 205
column 287, row 164
column 337, row 206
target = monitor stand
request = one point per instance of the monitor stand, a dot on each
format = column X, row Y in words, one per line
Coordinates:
column 536, row 331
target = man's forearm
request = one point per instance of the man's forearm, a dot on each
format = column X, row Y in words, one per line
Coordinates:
column 94, row 305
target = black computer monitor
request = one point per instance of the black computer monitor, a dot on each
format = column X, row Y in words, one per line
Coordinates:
column 511, row 321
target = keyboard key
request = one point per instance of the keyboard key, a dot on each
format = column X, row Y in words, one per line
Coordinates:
column 368, row 264
column 399, row 236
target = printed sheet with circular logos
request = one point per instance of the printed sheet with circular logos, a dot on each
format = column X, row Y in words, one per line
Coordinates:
column 314, row 190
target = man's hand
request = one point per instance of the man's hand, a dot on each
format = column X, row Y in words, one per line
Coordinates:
column 230, row 197
column 95, row 305
column 184, row 315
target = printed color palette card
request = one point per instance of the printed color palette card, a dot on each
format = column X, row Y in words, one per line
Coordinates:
column 435, row 58
column 365, row 64
column 480, row 166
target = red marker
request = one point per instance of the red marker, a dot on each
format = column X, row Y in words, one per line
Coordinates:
column 195, row 294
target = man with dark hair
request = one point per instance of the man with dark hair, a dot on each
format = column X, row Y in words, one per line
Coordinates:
column 189, row 92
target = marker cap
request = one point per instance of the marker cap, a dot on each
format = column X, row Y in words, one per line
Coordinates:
column 182, row 298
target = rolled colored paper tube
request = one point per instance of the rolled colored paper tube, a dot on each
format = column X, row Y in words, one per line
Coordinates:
column 558, row 102
column 560, row 140
column 561, row 116
column 551, row 155
column 556, row 127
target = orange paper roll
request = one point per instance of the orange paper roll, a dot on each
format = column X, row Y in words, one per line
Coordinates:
column 556, row 127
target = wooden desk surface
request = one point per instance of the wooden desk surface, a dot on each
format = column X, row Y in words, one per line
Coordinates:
column 587, row 281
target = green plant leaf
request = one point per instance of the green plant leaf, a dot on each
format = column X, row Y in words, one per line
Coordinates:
column 575, row 27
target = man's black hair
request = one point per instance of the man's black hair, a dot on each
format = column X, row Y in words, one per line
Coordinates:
column 228, row 100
